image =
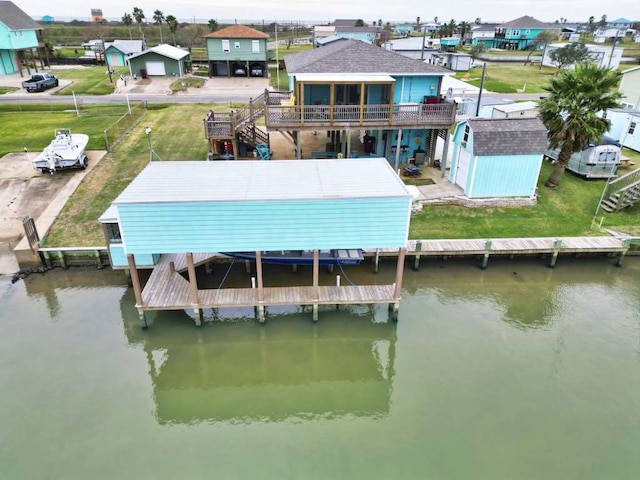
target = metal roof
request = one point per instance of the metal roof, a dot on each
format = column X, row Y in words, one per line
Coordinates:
column 516, row 107
column 16, row 19
column 274, row 180
column 354, row 56
column 126, row 46
column 166, row 51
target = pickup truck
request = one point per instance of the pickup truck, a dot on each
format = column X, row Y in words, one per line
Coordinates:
column 40, row 82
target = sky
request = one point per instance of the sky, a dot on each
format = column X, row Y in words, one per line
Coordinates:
column 253, row 11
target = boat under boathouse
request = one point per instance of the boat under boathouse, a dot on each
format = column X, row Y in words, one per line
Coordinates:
column 177, row 215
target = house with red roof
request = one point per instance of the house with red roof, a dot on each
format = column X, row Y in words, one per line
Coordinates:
column 237, row 51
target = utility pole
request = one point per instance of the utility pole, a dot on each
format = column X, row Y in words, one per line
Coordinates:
column 424, row 36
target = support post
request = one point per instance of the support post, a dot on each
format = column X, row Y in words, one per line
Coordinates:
column 399, row 271
column 485, row 259
column 416, row 261
column 45, row 258
column 207, row 268
column 193, row 283
column 445, row 154
column 137, row 291
column 348, row 155
column 61, row 258
column 298, row 145
column 337, row 285
column 376, row 260
column 316, row 274
column 261, row 316
column 556, row 249
column 625, row 243
column 247, row 266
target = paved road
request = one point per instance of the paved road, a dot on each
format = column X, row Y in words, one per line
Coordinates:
column 134, row 97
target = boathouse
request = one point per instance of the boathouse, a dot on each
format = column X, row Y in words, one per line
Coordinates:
column 173, row 212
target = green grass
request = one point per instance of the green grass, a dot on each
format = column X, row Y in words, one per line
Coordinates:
column 509, row 78
column 4, row 90
column 183, row 84
column 278, row 78
column 89, row 80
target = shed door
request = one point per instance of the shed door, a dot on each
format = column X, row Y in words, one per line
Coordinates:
column 462, row 168
column 155, row 68
column 115, row 61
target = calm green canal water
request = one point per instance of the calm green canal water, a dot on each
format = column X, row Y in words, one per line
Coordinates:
column 515, row 372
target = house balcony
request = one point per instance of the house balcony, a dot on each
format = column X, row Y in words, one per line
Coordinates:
column 280, row 114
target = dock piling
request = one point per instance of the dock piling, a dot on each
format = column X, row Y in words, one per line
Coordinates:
column 485, row 259
column 416, row 261
column 557, row 244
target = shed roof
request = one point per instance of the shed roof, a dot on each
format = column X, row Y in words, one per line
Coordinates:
column 237, row 31
column 329, row 39
column 166, row 51
column 516, row 107
column 354, row 56
column 276, row 180
column 16, row 19
column 126, row 46
column 509, row 136
column 525, row 22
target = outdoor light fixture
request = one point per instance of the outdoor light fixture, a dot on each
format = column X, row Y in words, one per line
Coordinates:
column 147, row 130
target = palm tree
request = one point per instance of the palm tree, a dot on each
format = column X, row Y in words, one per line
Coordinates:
column 127, row 21
column 158, row 18
column 172, row 23
column 138, row 15
column 570, row 112
column 213, row 25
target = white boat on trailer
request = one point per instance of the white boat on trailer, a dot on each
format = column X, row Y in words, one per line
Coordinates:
column 65, row 151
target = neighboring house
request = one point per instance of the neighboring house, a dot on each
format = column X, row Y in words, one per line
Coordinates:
column 620, row 23
column 163, row 60
column 608, row 34
column 413, row 47
column 630, row 88
column 498, row 157
column 625, row 127
column 484, row 33
column 404, row 29
column 467, row 102
column 604, row 56
column 117, row 53
column 364, row 34
column 321, row 42
column 19, row 35
column 237, row 50
column 322, row 31
column 47, row 19
column 449, row 44
column 96, row 15
column 520, row 33
column 458, row 62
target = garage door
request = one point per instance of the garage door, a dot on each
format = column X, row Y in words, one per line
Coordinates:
column 155, row 68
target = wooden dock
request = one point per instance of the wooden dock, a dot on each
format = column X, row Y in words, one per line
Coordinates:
column 167, row 289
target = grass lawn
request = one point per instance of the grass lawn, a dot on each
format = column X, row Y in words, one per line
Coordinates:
column 278, row 78
column 89, row 80
column 35, row 130
column 4, row 90
column 509, row 78
column 183, row 84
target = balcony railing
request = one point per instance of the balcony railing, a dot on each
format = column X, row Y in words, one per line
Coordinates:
column 439, row 114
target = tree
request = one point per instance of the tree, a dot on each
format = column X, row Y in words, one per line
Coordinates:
column 603, row 21
column 359, row 23
column 435, row 20
column 418, row 23
column 478, row 21
column 379, row 22
column 569, row 54
column 477, row 49
column 127, row 21
column 463, row 28
column 172, row 23
column 543, row 38
column 213, row 25
column 138, row 15
column 193, row 34
column 591, row 25
column 158, row 18
column 571, row 111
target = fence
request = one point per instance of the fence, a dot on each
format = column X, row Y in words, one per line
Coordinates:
column 116, row 132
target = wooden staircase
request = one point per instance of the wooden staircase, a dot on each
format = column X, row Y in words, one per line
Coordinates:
column 622, row 192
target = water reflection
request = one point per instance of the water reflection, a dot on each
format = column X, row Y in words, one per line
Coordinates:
column 289, row 369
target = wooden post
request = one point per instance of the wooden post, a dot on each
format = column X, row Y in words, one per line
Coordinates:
column 137, row 291
column 45, row 258
column 625, row 243
column 247, row 266
column 298, row 145
column 348, row 155
column 399, row 272
column 445, row 154
column 261, row 316
column 485, row 259
column 98, row 260
column 63, row 263
column 316, row 291
column 337, row 285
column 556, row 249
column 193, row 283
column 376, row 260
column 416, row 261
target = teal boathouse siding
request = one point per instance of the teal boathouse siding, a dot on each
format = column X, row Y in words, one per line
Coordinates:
column 119, row 258
column 207, row 207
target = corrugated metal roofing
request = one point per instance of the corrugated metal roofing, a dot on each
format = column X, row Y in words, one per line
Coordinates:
column 516, row 107
column 237, row 181
column 166, row 51
column 16, row 19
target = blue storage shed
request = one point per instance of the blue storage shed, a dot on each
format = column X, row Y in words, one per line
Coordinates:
column 498, row 157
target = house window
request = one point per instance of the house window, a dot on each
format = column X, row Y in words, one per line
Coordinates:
column 236, row 45
column 465, row 138
column 113, row 233
column 516, row 33
column 255, row 46
column 225, row 46
column 632, row 128
column 527, row 32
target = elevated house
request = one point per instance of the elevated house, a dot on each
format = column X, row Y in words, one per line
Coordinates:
column 20, row 35
column 498, row 157
column 322, row 31
column 419, row 48
column 163, row 60
column 606, row 56
column 484, row 34
column 520, row 33
column 117, row 53
column 630, row 88
column 352, row 89
column 365, row 34
column 237, row 50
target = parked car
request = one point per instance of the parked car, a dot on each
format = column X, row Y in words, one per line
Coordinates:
column 40, row 82
column 240, row 72
column 257, row 71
